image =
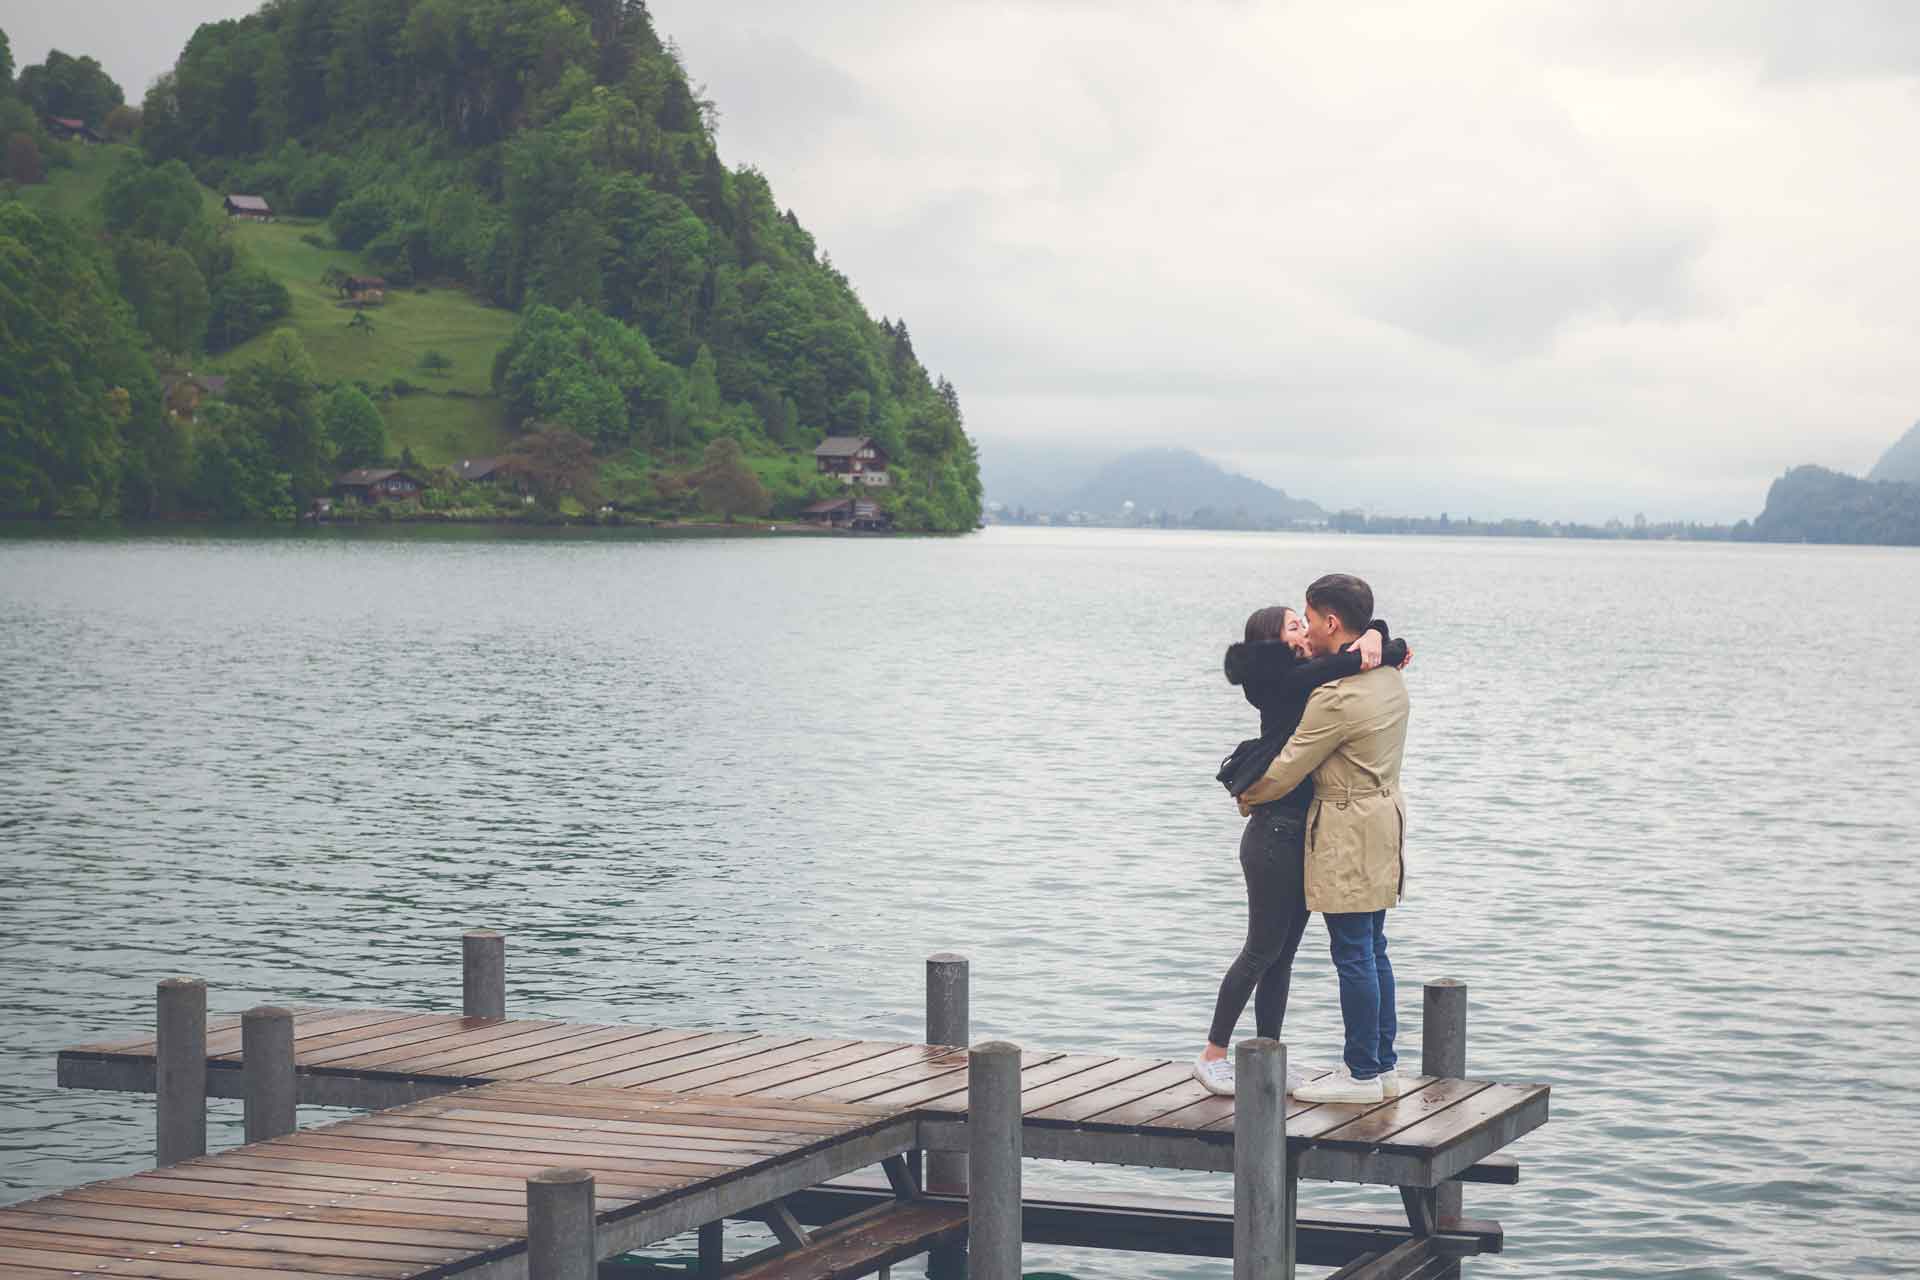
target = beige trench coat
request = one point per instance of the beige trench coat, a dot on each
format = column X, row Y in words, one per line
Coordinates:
column 1350, row 740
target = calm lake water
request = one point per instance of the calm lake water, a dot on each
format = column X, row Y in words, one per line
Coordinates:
column 1663, row 807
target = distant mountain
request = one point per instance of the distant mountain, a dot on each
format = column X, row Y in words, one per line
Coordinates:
column 1188, row 487
column 1036, row 476
column 1813, row 504
column 1902, row 461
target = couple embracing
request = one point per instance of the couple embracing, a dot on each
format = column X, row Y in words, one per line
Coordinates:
column 1320, row 789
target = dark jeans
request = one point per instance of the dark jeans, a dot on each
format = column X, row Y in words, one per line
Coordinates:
column 1273, row 856
column 1366, row 990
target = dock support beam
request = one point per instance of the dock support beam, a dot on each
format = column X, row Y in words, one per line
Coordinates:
column 483, row 974
column 1264, row 1181
column 560, row 1226
column 949, row 1019
column 266, row 1066
column 994, row 1215
column 180, row 1071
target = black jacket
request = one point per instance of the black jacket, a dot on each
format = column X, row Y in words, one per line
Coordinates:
column 1278, row 682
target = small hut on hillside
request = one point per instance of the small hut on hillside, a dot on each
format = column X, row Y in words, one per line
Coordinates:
column 254, row 207
column 67, row 129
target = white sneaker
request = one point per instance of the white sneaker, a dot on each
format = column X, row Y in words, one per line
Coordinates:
column 1395, row 1082
column 1215, row 1075
column 1340, row 1086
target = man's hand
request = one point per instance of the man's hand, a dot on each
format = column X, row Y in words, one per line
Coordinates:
column 1368, row 646
column 1408, row 660
column 1246, row 810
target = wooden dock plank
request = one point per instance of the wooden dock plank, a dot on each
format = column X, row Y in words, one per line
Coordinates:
column 1143, row 1085
column 117, row 1215
column 588, row 1066
column 856, row 1053
column 817, row 1083
column 153, row 1268
column 112, row 1254
column 469, row 1042
column 1427, row 1098
column 660, row 1075
column 132, row 1231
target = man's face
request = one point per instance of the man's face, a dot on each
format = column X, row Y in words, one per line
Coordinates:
column 1323, row 633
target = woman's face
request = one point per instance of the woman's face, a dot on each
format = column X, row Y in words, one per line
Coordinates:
column 1294, row 633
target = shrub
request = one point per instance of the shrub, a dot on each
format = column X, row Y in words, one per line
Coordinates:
column 316, row 240
column 436, row 362
column 363, row 216
column 401, row 387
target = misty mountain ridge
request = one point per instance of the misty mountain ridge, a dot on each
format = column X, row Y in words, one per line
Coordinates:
column 1901, row 461
column 1178, row 483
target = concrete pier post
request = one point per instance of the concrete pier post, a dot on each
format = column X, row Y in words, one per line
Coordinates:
column 949, row 1018
column 266, row 1069
column 1264, row 1181
column 483, row 974
column 560, row 1226
column 1443, row 1052
column 994, row 1219
column 180, row 1071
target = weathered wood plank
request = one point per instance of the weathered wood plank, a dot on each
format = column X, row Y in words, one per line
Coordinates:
column 592, row 1064
column 130, row 1231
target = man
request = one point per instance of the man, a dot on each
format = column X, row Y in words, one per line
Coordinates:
column 1350, row 741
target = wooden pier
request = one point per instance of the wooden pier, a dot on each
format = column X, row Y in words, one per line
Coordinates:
column 656, row 1131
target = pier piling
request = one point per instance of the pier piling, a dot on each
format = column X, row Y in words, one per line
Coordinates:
column 560, row 1243
column 483, row 974
column 180, row 1071
column 1443, row 1052
column 948, row 1023
column 994, row 1218
column 266, row 1062
column 1265, row 1182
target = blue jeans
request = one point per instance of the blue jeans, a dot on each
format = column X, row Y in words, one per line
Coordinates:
column 1366, row 990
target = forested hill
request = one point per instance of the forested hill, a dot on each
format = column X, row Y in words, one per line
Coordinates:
column 1813, row 504
column 551, row 158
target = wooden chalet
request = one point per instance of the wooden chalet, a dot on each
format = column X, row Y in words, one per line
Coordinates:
column 848, row 513
column 254, row 207
column 853, row 459
column 184, row 395
column 365, row 288
column 478, row 469
column 67, row 129
column 379, row 484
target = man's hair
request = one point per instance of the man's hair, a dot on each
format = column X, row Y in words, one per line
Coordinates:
column 1267, row 623
column 1346, row 598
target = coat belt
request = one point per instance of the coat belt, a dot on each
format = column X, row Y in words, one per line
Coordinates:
column 1339, row 799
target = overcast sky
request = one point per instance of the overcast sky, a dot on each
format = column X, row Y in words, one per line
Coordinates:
column 1571, row 260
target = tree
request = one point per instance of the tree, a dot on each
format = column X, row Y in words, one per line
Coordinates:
column 23, row 160
column 6, row 64
column 122, row 123
column 553, row 463
column 75, row 376
column 167, row 291
column 355, row 427
column 155, row 202
column 246, row 301
column 566, row 268
column 78, row 88
column 727, row 484
column 278, row 399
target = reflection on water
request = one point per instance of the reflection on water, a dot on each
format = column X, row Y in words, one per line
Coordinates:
column 1664, row 833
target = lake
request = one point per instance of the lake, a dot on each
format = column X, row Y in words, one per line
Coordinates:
column 1662, row 803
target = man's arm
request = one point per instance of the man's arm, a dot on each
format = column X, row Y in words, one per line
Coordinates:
column 1320, row 733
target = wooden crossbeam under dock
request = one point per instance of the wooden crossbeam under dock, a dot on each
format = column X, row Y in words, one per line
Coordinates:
column 1075, row 1106
column 438, row 1187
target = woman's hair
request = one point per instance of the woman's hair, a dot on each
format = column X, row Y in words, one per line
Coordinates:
column 1267, row 623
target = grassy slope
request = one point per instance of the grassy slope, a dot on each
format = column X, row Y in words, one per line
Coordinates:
column 438, row 428
column 75, row 192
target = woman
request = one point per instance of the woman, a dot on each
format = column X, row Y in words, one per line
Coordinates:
column 1274, row 672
